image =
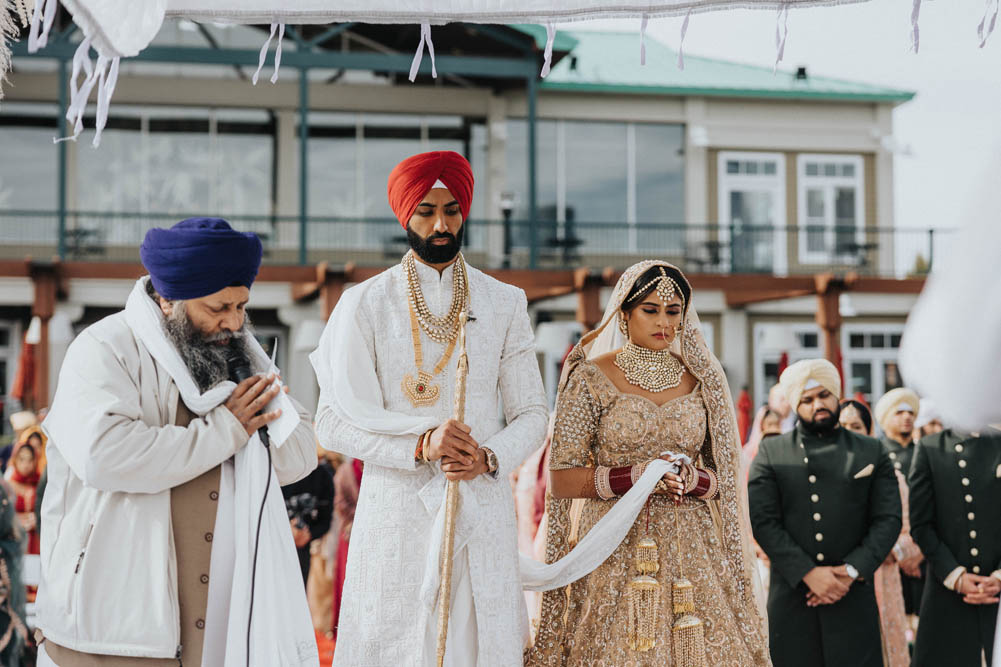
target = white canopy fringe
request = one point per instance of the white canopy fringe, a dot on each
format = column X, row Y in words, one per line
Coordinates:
column 278, row 52
column 548, row 57
column 681, row 43
column 981, row 33
column 915, row 12
column 105, row 89
column 643, row 40
column 419, row 56
column 38, row 33
column 781, row 34
column 264, row 54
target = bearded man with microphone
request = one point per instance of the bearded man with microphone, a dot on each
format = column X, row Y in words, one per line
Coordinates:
column 163, row 499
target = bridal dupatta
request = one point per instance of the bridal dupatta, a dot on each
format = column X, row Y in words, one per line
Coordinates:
column 729, row 509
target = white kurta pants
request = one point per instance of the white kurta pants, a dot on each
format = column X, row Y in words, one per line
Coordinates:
column 461, row 645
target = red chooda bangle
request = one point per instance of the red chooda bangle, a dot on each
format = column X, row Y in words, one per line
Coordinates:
column 621, row 480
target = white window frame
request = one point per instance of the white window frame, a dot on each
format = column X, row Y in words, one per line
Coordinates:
column 829, row 183
column 878, row 356
column 773, row 183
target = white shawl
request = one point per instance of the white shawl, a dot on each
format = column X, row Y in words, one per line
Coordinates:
column 282, row 632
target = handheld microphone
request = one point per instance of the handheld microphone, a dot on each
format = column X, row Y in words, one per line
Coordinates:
column 239, row 370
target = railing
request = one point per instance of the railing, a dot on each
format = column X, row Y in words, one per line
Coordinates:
column 712, row 248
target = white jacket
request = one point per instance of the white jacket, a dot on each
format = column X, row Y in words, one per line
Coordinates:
column 109, row 571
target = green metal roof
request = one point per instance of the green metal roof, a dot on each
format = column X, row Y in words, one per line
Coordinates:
column 609, row 62
column 563, row 41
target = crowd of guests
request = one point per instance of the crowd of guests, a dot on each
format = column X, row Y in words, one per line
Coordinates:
column 22, row 462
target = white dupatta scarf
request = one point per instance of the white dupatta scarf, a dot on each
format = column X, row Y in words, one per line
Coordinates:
column 282, row 632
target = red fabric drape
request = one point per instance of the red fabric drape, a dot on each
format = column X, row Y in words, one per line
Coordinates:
column 23, row 387
column 744, row 414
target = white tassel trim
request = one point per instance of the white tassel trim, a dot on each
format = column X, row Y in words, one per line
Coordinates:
column 262, row 58
column 419, row 56
column 41, row 24
column 986, row 26
column 548, row 56
column 643, row 40
column 681, row 43
column 781, row 34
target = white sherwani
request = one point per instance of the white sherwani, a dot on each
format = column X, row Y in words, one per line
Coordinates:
column 384, row 619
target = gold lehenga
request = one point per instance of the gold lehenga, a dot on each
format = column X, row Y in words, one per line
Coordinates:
column 585, row 624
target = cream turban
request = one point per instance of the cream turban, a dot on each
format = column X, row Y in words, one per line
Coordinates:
column 896, row 400
column 22, row 420
column 807, row 374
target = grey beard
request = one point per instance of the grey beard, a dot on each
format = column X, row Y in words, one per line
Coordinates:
column 204, row 357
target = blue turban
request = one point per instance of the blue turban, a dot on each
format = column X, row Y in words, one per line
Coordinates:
column 199, row 256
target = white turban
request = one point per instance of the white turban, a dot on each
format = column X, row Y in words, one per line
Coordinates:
column 807, row 374
column 928, row 412
column 896, row 400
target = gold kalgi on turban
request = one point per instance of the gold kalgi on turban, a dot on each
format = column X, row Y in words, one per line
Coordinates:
column 896, row 400
column 807, row 374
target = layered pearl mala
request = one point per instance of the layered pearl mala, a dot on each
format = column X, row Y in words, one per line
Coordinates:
column 440, row 329
column 651, row 370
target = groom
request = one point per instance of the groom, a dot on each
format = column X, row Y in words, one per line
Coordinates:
column 387, row 371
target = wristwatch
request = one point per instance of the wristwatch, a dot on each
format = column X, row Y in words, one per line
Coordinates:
column 852, row 572
column 492, row 463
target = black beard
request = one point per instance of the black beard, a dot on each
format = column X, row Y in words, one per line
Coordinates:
column 436, row 254
column 205, row 356
column 823, row 426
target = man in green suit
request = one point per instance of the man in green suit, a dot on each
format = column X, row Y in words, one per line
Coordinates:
column 955, row 504
column 896, row 413
column 825, row 508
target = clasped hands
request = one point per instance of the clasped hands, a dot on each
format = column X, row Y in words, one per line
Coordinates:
column 977, row 589
column 675, row 484
column 460, row 454
column 827, row 584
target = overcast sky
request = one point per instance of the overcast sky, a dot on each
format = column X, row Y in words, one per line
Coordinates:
column 952, row 128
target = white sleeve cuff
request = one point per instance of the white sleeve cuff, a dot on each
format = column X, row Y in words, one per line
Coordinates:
column 953, row 578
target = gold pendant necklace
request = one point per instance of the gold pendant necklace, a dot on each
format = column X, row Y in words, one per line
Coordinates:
column 651, row 370
column 419, row 390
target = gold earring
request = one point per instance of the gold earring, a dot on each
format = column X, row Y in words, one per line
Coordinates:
column 624, row 326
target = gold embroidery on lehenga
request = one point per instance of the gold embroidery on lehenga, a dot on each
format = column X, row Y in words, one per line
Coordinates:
column 587, row 623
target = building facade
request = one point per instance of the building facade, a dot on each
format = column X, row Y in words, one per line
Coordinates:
column 727, row 170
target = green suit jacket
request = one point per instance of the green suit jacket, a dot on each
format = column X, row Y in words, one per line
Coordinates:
column 955, row 511
column 823, row 501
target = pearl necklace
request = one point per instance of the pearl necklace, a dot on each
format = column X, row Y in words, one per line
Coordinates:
column 651, row 370
column 439, row 329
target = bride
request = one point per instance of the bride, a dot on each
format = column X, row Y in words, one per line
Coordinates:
column 680, row 588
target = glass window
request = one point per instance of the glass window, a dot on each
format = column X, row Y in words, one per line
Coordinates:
column 831, row 210
column 856, row 340
column 808, row 340
column 891, row 376
column 877, row 340
column 28, row 178
column 732, row 167
column 895, row 340
column 660, row 187
column 163, row 160
column 596, row 172
column 861, row 378
column 751, row 213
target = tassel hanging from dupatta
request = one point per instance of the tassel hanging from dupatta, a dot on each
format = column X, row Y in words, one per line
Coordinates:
column 688, row 633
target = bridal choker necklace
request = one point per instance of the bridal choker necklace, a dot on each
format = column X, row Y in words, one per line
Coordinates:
column 651, row 370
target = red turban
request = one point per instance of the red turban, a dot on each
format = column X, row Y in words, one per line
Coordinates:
column 413, row 178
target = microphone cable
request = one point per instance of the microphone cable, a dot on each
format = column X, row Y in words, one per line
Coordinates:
column 263, row 432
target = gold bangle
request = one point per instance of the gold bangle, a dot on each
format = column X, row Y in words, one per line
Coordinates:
column 426, row 446
column 601, row 484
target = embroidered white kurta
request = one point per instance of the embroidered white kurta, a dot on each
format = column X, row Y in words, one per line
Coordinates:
column 383, row 619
